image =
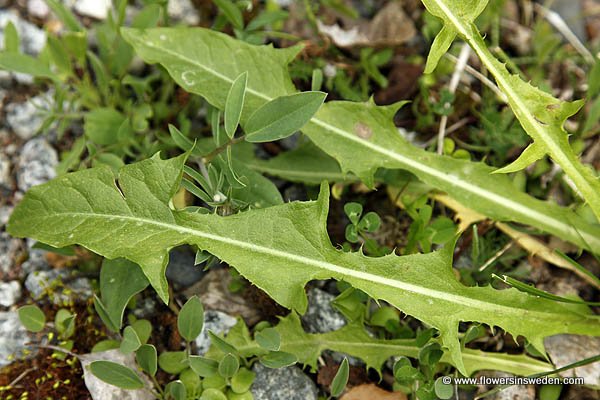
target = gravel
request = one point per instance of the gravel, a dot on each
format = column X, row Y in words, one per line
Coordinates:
column 13, row 337
column 288, row 383
column 36, row 164
column 10, row 292
column 217, row 322
column 320, row 316
column 567, row 349
column 25, row 119
column 56, row 282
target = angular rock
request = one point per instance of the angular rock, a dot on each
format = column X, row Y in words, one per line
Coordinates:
column 515, row 392
column 320, row 317
column 183, row 10
column 5, row 178
column 36, row 164
column 213, row 291
column 288, row 383
column 181, row 269
column 13, row 337
column 93, row 8
column 567, row 349
column 9, row 249
column 55, row 282
column 5, row 212
column 100, row 390
column 217, row 322
column 38, row 8
column 25, row 119
column 36, row 260
column 10, row 292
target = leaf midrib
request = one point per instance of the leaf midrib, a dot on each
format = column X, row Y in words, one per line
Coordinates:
column 323, row 265
column 499, row 200
column 552, row 145
column 408, row 350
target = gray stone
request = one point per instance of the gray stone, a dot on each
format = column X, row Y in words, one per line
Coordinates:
column 100, row 390
column 13, row 337
column 567, row 349
column 181, row 269
column 183, row 10
column 5, row 212
column 36, row 259
column 5, row 178
column 216, row 322
column 9, row 248
column 288, row 383
column 145, row 308
column 32, row 38
column 93, row 8
column 320, row 316
column 56, row 282
column 10, row 292
column 36, row 164
column 38, row 8
column 25, row 119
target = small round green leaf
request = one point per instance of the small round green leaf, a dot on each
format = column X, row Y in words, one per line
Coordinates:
column 205, row 367
column 283, row 116
column 340, row 379
column 177, row 390
column 173, row 362
column 268, row 339
column 64, row 322
column 242, row 381
column 143, row 328
column 229, row 366
column 147, row 359
column 353, row 211
column 430, row 354
column 443, row 390
column 213, row 394
column 370, row 222
column 116, row 375
column 105, row 345
column 278, row 359
column 32, row 318
column 351, row 233
column 191, row 319
column 131, row 341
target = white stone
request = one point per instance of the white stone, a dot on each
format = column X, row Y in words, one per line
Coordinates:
column 183, row 10
column 32, row 38
column 217, row 322
column 36, row 164
column 93, row 8
column 10, row 292
column 13, row 337
column 100, row 390
column 27, row 118
column 38, row 8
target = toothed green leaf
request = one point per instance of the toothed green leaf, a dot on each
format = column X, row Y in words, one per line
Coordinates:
column 133, row 220
column 355, row 341
column 541, row 114
column 360, row 136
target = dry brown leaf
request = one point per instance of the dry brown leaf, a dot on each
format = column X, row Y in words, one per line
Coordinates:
column 390, row 27
column 372, row 392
